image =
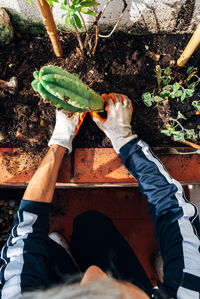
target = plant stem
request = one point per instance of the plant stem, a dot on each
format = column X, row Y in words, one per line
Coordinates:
column 96, row 39
column 82, row 18
column 76, row 29
column 158, row 75
column 92, row 51
column 78, row 36
column 196, row 146
column 178, row 123
column 119, row 19
column 95, row 23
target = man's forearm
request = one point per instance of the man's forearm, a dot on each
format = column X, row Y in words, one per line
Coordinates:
column 41, row 186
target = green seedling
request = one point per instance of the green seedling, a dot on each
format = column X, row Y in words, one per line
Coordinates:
column 176, row 130
column 196, row 104
column 169, row 88
column 73, row 17
column 73, row 11
column 66, row 91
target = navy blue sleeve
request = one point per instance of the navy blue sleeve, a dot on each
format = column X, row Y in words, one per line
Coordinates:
column 24, row 257
column 176, row 221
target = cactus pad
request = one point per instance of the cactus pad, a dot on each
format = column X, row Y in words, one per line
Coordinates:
column 66, row 91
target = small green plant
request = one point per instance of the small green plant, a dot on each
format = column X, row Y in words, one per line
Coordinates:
column 169, row 88
column 73, row 17
column 196, row 105
column 176, row 130
column 66, row 91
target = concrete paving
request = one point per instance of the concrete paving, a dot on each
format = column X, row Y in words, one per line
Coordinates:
column 141, row 16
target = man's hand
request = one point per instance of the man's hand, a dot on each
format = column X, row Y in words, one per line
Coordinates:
column 117, row 126
column 66, row 129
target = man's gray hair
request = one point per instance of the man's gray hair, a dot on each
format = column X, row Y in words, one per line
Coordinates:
column 102, row 289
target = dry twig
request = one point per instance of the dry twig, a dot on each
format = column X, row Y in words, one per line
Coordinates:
column 12, row 84
column 120, row 17
column 95, row 25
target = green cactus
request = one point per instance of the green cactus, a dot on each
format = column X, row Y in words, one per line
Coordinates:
column 66, row 91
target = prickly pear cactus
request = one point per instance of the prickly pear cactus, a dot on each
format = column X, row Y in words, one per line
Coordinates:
column 66, row 91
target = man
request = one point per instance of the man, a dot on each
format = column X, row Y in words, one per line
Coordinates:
column 27, row 256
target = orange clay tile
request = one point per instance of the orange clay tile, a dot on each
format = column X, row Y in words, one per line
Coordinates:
column 92, row 165
column 99, row 165
column 104, row 165
column 17, row 167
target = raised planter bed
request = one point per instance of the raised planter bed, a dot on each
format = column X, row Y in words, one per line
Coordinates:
column 92, row 167
column 123, row 64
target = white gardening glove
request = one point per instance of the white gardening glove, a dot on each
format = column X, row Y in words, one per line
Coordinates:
column 117, row 125
column 66, row 129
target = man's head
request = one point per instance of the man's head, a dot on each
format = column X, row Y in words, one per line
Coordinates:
column 95, row 284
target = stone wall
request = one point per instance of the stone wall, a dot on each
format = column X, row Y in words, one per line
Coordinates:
column 141, row 16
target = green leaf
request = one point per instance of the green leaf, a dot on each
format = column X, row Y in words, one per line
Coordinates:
column 67, row 20
column 64, row 6
column 158, row 99
column 89, row 3
column 148, row 103
column 178, row 93
column 191, row 132
column 180, row 115
column 65, row 14
column 78, row 21
column 190, row 69
column 71, row 21
column 50, row 2
column 87, row 11
column 189, row 92
column 168, row 87
column 166, row 132
column 177, row 133
column 165, row 93
column 192, row 85
column 183, row 96
column 170, row 127
column 76, row 2
column 31, row 2
column 167, row 71
column 166, row 80
column 179, row 136
column 146, row 96
column 196, row 104
column 190, row 76
column 76, row 9
column 176, row 86
column 172, row 95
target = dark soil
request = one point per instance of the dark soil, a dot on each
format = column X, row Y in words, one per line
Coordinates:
column 123, row 64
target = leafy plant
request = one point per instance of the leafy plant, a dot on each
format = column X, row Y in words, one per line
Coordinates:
column 73, row 17
column 176, row 130
column 196, row 104
column 169, row 88
column 66, row 91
